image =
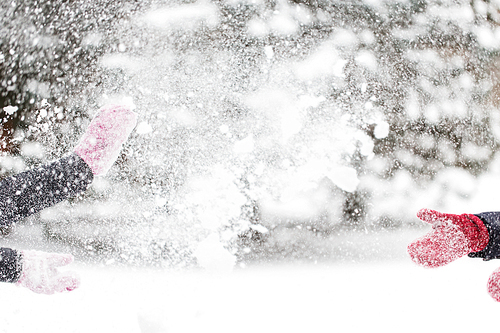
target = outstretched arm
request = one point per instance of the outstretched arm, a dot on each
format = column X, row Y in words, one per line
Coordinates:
column 454, row 236
column 31, row 191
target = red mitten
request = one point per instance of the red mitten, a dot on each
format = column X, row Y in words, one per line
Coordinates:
column 453, row 236
column 494, row 285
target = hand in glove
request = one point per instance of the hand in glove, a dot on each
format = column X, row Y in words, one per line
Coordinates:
column 100, row 146
column 452, row 236
column 40, row 274
column 494, row 285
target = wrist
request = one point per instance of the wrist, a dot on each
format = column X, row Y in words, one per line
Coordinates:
column 476, row 232
column 491, row 221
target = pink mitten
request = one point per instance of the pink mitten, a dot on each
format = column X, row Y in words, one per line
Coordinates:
column 453, row 236
column 39, row 272
column 100, row 145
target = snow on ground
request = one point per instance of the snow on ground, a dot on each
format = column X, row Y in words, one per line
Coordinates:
column 389, row 295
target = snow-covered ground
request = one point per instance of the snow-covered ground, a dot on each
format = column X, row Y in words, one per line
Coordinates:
column 386, row 295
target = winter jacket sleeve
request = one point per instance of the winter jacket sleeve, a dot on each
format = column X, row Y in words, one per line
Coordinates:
column 10, row 265
column 31, row 191
column 492, row 222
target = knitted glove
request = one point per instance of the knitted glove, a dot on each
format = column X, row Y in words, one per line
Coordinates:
column 453, row 236
column 39, row 272
column 100, row 145
column 494, row 285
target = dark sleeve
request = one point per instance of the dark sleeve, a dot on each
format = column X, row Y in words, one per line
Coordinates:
column 10, row 265
column 31, row 191
column 492, row 222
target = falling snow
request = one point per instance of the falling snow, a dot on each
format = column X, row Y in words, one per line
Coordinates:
column 268, row 132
